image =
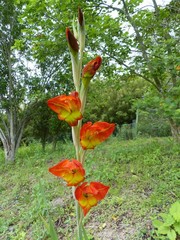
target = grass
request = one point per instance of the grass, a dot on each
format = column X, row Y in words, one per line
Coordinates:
column 142, row 173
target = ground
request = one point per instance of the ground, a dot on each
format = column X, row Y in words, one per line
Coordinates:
column 142, row 175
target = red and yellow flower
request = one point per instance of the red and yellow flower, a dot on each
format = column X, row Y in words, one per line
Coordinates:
column 90, row 69
column 93, row 134
column 67, row 107
column 71, row 171
column 88, row 195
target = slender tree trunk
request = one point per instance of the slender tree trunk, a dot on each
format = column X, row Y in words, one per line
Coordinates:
column 9, row 147
column 12, row 119
column 54, row 143
column 11, row 142
column 175, row 130
column 9, row 153
column 43, row 143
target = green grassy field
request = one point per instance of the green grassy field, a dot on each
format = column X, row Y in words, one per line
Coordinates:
column 142, row 174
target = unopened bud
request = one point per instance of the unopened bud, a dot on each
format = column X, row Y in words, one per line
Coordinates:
column 90, row 69
column 80, row 17
column 72, row 41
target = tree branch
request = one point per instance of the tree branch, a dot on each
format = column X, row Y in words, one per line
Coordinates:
column 142, row 46
column 133, row 71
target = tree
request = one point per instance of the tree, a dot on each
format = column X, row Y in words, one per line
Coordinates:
column 115, row 99
column 10, row 129
column 141, row 42
column 16, row 84
column 46, row 127
column 149, row 49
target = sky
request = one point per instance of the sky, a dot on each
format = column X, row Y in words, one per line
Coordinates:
column 145, row 3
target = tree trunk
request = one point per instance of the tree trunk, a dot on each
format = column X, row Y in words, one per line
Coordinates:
column 175, row 130
column 43, row 144
column 11, row 142
column 54, row 143
column 9, row 147
column 9, row 153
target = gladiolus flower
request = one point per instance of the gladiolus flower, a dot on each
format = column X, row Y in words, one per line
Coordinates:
column 67, row 108
column 71, row 171
column 72, row 42
column 93, row 134
column 89, row 195
column 90, row 69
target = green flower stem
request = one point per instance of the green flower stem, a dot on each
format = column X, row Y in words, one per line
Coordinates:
column 82, row 156
column 83, row 96
column 79, row 222
column 84, row 233
column 76, row 137
column 78, row 217
column 75, row 71
column 79, row 156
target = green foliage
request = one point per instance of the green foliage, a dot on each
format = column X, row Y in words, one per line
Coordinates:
column 166, row 107
column 115, row 99
column 45, row 126
column 151, row 123
column 169, row 227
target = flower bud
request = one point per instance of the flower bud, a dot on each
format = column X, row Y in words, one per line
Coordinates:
column 72, row 42
column 90, row 69
column 80, row 17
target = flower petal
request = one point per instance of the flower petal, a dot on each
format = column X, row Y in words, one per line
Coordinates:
column 88, row 195
column 93, row 134
column 100, row 190
column 67, row 108
column 71, row 171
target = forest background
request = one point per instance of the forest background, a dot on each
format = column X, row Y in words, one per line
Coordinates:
column 139, row 77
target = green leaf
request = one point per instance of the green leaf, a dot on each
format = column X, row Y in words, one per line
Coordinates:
column 163, row 229
column 169, row 221
column 175, row 211
column 164, row 216
column 176, row 226
column 157, row 223
column 171, row 235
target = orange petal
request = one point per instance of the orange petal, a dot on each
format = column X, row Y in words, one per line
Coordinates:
column 67, row 108
column 93, row 134
column 71, row 171
column 100, row 190
column 88, row 195
column 91, row 202
column 79, row 190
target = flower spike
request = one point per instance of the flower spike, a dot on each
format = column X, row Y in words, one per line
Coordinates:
column 71, row 171
column 67, row 107
column 93, row 134
column 88, row 196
